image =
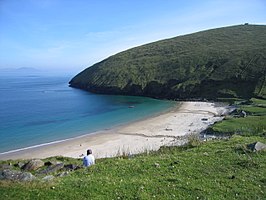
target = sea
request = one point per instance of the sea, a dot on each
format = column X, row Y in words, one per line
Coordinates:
column 41, row 109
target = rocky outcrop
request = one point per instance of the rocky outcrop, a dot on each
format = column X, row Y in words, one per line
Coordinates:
column 52, row 168
column 33, row 165
column 257, row 146
column 48, row 178
column 5, row 166
column 71, row 167
column 14, row 175
column 39, row 170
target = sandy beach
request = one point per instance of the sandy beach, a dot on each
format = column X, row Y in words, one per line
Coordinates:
column 166, row 129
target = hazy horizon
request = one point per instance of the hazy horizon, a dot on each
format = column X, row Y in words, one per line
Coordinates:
column 56, row 35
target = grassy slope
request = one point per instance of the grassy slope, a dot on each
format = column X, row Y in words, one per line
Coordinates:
column 254, row 123
column 213, row 170
column 222, row 169
column 224, row 62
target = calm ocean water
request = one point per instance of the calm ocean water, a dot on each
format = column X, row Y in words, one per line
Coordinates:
column 41, row 109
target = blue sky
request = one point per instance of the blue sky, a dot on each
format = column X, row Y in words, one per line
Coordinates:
column 74, row 34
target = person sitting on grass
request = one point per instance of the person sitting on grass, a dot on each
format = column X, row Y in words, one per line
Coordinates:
column 89, row 159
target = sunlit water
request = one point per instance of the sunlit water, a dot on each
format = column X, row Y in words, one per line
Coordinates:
column 41, row 109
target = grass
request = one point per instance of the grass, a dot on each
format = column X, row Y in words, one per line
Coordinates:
column 226, row 62
column 254, row 110
column 256, row 107
column 218, row 169
column 260, row 102
column 212, row 170
column 253, row 124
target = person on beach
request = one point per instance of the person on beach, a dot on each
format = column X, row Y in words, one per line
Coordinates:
column 89, row 159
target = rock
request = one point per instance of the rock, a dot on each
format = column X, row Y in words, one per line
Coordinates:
column 48, row 178
column 5, row 166
column 169, row 129
column 48, row 163
column 71, row 167
column 243, row 113
column 52, row 168
column 62, row 174
column 257, row 146
column 33, row 165
column 19, row 164
column 232, row 177
column 78, row 167
column 16, row 175
column 26, row 176
column 9, row 175
column 157, row 165
column 2, row 175
column 174, row 163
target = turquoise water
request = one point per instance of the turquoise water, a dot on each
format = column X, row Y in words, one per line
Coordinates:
column 41, row 109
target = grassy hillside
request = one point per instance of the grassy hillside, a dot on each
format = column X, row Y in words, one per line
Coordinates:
column 219, row 169
column 254, row 123
column 213, row 170
column 224, row 62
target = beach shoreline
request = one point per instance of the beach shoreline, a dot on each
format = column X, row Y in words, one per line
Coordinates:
column 166, row 129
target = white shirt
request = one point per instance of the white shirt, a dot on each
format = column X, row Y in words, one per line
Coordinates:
column 88, row 160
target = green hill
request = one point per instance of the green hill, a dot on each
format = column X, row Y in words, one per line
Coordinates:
column 219, row 63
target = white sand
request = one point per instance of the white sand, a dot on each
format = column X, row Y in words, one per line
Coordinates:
column 149, row 134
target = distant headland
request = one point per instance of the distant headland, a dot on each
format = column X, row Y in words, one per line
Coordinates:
column 226, row 62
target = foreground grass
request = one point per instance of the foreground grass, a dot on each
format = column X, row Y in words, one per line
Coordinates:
column 213, row 170
column 221, row 169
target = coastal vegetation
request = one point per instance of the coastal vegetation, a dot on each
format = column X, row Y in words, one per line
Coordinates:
column 219, row 169
column 248, row 119
column 225, row 62
column 216, row 169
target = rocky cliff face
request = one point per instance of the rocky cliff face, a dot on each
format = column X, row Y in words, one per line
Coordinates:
column 224, row 62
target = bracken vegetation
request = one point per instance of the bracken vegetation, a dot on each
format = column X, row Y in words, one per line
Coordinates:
column 226, row 62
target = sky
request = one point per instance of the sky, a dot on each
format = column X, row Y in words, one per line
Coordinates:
column 71, row 35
